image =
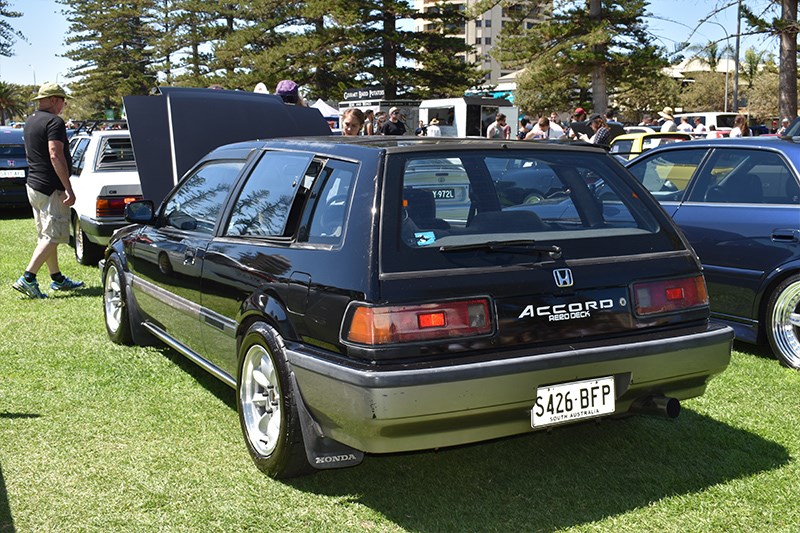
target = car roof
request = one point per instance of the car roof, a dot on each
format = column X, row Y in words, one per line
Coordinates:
column 403, row 144
column 655, row 134
column 772, row 143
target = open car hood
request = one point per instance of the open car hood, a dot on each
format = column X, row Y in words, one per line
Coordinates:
column 172, row 130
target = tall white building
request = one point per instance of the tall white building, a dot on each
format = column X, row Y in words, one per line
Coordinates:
column 483, row 32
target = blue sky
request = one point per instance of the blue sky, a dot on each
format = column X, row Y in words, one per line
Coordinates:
column 38, row 60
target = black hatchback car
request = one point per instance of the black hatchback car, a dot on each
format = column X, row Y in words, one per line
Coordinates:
column 382, row 294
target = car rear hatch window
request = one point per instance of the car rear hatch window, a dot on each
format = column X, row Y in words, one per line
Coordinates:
column 116, row 153
column 581, row 204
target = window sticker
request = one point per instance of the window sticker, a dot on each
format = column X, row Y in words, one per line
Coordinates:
column 425, row 238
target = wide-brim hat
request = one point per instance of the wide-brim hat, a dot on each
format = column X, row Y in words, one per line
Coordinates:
column 666, row 113
column 50, row 89
column 434, row 121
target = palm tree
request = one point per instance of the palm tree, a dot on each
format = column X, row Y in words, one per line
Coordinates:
column 12, row 102
column 711, row 54
column 752, row 62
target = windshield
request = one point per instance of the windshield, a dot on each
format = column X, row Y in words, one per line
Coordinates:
column 542, row 198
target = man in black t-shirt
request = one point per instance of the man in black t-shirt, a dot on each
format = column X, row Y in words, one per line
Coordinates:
column 49, row 189
column 393, row 126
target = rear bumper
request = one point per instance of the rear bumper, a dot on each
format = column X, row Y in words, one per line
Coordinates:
column 99, row 231
column 381, row 411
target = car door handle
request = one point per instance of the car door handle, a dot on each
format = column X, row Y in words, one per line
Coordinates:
column 786, row 235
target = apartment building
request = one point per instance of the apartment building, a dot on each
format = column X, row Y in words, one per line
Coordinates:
column 482, row 32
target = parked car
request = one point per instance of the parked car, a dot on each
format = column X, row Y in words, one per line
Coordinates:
column 631, row 145
column 356, row 308
column 105, row 179
column 738, row 202
column 13, row 169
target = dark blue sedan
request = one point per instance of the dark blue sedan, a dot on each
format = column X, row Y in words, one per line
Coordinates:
column 738, row 203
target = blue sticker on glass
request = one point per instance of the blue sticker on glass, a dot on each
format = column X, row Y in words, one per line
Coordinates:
column 425, row 238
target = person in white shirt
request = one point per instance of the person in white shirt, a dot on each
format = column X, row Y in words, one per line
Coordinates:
column 669, row 121
column 685, row 126
column 544, row 130
column 433, row 128
column 740, row 128
column 699, row 128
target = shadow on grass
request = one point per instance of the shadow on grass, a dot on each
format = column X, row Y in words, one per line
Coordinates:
column 6, row 520
column 758, row 350
column 546, row 481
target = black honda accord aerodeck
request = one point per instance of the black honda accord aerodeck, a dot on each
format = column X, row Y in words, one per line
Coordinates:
column 374, row 295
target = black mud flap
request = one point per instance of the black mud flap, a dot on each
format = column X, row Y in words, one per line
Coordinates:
column 322, row 452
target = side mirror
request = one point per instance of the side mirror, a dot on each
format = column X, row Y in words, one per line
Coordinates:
column 140, row 212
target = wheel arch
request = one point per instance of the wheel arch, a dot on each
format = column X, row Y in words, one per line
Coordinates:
column 266, row 307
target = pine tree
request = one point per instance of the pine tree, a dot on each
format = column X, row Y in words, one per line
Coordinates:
column 113, row 57
column 576, row 55
column 8, row 35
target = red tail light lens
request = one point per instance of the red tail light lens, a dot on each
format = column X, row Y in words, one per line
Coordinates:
column 113, row 206
column 656, row 297
column 411, row 323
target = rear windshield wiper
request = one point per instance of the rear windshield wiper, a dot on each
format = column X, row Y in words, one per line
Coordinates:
column 518, row 246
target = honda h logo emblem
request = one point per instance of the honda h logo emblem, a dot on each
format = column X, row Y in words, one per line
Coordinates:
column 563, row 277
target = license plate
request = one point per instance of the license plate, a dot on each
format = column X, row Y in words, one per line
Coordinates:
column 444, row 194
column 12, row 173
column 568, row 402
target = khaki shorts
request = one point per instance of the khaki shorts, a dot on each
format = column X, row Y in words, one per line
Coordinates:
column 50, row 215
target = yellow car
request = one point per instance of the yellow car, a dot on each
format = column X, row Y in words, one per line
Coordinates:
column 630, row 145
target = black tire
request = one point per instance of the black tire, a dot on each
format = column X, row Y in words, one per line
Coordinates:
column 783, row 322
column 266, row 404
column 86, row 252
column 115, row 302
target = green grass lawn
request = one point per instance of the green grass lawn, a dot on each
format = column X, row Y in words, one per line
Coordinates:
column 99, row 437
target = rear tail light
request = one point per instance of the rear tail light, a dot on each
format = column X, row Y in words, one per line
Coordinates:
column 656, row 297
column 411, row 323
column 113, row 206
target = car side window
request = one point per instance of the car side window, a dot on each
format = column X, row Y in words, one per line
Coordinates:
column 746, row 177
column 79, row 155
column 330, row 204
column 198, row 202
column 264, row 204
column 667, row 174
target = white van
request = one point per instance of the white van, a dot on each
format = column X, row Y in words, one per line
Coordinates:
column 722, row 122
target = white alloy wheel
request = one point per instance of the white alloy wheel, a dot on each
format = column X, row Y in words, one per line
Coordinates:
column 260, row 400
column 112, row 299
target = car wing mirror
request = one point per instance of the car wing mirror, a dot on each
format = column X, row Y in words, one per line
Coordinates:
column 140, row 212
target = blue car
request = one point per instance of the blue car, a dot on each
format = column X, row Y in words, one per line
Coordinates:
column 738, row 203
column 13, row 169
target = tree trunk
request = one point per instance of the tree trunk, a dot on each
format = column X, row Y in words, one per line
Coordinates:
column 787, row 97
column 599, row 88
column 389, row 55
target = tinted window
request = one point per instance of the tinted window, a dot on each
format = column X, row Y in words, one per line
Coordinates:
column 474, row 199
column 264, row 204
column 16, row 151
column 667, row 174
column 79, row 154
column 622, row 146
column 198, row 202
column 740, row 176
column 330, row 206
